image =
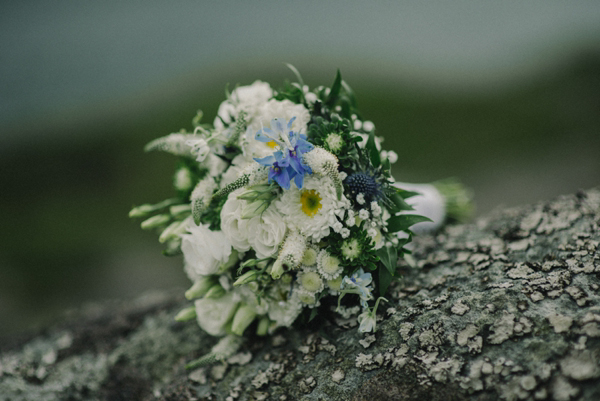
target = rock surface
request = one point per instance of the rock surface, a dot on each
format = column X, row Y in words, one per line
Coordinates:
column 505, row 308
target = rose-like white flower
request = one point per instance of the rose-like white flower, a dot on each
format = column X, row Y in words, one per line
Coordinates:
column 262, row 233
column 214, row 314
column 244, row 98
column 266, row 231
column 204, row 251
column 233, row 226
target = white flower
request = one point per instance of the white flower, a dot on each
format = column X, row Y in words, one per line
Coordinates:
column 306, row 297
column 291, row 254
column 390, row 155
column 363, row 213
column 183, row 179
column 270, row 110
column 214, row 314
column 204, row 251
column 215, row 165
column 316, row 218
column 335, row 142
column 351, row 249
column 310, row 280
column 200, row 148
column 238, row 164
column 283, row 310
column 310, row 256
column 265, row 232
column 367, row 322
column 429, row 203
column 360, row 198
column 233, row 226
column 244, row 98
column 376, row 209
column 262, row 233
column 328, row 265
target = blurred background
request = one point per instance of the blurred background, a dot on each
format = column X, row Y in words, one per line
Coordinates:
column 503, row 95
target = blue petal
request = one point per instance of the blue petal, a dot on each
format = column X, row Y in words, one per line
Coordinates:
column 276, row 124
column 265, row 161
column 282, row 160
column 264, row 137
column 299, row 180
column 289, row 125
column 283, row 179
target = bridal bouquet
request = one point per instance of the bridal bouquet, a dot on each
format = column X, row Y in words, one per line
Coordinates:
column 286, row 209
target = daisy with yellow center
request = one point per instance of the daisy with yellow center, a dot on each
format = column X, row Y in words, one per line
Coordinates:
column 314, row 210
column 311, row 202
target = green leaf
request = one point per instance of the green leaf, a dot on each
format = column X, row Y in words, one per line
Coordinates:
column 372, row 149
column 385, row 279
column 335, row 90
column 350, row 93
column 404, row 221
column 296, row 73
column 407, row 194
column 399, row 201
column 386, row 167
column 389, row 257
column 313, row 314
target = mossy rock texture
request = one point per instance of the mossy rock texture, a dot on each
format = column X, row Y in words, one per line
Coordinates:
column 507, row 307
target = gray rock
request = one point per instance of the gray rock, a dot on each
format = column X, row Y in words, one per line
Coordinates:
column 506, row 307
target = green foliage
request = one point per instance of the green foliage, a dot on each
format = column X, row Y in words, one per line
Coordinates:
column 335, row 137
column 404, row 221
column 367, row 256
column 212, row 215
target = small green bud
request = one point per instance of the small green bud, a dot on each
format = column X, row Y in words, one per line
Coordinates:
column 215, row 292
column 286, row 278
column 201, row 287
column 242, row 319
column 263, row 326
column 186, row 314
column 255, row 208
column 311, row 281
column 247, row 277
column 310, row 257
column 335, row 284
column 177, row 210
column 155, row 221
column 250, row 263
column 172, row 231
column 277, row 270
column 233, row 259
column 141, row 211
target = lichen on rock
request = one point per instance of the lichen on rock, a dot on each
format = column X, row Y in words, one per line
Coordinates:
column 504, row 308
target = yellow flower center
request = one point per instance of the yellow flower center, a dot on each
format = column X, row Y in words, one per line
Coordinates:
column 272, row 144
column 311, row 202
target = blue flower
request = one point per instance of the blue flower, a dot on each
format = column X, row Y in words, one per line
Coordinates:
column 279, row 170
column 359, row 283
column 286, row 163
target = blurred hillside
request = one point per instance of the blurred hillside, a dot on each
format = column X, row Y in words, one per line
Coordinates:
column 505, row 99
